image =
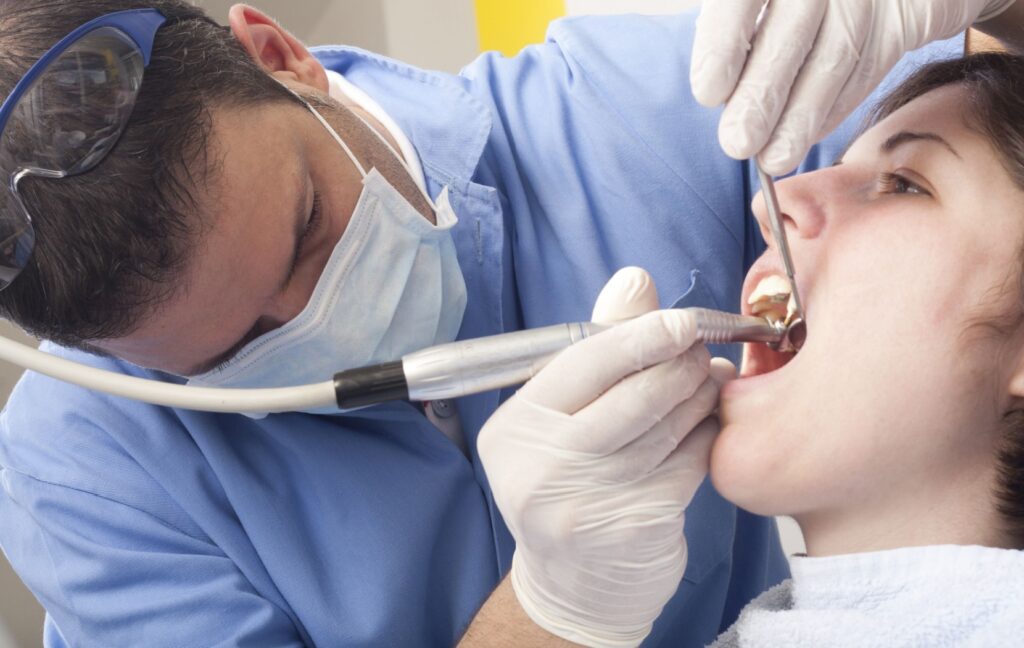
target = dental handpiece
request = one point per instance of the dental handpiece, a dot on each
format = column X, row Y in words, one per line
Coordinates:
column 482, row 364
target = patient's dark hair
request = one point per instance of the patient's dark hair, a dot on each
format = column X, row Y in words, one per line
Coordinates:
column 995, row 108
column 111, row 243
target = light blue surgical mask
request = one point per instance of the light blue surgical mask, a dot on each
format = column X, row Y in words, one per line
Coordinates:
column 391, row 286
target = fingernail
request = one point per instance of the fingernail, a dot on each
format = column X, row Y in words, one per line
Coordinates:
column 713, row 78
column 734, row 136
column 635, row 282
column 780, row 157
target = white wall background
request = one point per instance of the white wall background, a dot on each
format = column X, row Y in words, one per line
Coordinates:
column 437, row 34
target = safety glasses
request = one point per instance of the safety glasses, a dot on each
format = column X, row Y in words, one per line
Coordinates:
column 67, row 113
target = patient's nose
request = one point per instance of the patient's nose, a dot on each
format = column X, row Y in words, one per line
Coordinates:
column 802, row 202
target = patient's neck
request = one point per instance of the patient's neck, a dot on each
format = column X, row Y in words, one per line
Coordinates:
column 828, row 536
column 958, row 514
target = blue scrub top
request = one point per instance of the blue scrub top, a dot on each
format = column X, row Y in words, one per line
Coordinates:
column 137, row 525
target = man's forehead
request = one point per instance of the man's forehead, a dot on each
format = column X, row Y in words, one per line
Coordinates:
column 252, row 146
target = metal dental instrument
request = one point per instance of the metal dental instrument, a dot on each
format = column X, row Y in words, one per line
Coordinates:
column 795, row 327
column 482, row 364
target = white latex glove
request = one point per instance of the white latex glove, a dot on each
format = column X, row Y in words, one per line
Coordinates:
column 812, row 62
column 593, row 462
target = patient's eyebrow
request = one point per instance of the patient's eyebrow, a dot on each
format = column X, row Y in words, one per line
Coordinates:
column 905, row 137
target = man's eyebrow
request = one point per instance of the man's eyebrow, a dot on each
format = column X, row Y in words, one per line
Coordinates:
column 905, row 137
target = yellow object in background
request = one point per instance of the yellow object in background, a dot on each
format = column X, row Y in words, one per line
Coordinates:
column 510, row 26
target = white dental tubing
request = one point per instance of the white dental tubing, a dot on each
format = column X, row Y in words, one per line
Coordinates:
column 206, row 399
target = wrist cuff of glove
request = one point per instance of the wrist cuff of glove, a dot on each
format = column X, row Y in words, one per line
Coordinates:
column 993, row 9
column 556, row 616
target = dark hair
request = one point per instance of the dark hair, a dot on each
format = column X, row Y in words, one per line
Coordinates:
column 111, row 242
column 995, row 108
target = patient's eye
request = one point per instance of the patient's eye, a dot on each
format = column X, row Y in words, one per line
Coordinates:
column 894, row 183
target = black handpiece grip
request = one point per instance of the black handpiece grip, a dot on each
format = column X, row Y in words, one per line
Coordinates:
column 370, row 385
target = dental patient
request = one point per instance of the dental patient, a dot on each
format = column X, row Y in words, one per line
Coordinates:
column 895, row 437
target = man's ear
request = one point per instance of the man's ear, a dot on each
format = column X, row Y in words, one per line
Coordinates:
column 274, row 49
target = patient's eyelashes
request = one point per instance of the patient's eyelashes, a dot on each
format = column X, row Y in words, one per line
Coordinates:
column 894, row 183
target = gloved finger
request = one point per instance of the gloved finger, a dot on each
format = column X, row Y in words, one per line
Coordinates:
column 993, row 9
column 722, row 370
column 783, row 41
column 876, row 60
column 685, row 468
column 584, row 371
column 645, row 453
column 896, row 29
column 639, row 402
column 628, row 294
column 831, row 61
column 720, row 45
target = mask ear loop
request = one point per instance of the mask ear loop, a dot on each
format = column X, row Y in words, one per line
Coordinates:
column 348, row 151
column 398, row 156
column 330, row 129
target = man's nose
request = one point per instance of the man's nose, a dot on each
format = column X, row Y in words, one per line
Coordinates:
column 801, row 204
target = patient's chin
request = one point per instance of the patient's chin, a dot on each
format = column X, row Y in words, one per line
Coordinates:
column 743, row 474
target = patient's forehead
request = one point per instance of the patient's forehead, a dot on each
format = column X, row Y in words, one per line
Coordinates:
column 941, row 111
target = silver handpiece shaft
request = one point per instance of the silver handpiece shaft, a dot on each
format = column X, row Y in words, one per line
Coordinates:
column 771, row 201
column 482, row 364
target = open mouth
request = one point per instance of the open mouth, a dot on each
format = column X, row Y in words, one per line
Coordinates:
column 773, row 301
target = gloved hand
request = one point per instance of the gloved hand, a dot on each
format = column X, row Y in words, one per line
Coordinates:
column 812, row 62
column 593, row 462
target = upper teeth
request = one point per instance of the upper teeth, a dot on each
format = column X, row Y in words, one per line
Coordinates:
column 772, row 287
column 772, row 299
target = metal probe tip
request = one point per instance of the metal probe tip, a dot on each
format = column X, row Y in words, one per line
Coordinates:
column 771, row 201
